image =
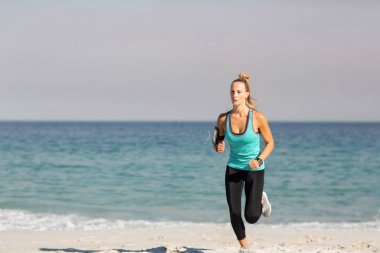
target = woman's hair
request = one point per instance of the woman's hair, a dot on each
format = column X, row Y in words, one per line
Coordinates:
column 243, row 77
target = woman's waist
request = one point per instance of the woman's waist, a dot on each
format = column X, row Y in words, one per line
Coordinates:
column 245, row 152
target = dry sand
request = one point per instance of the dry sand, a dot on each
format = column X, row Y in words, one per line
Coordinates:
column 197, row 239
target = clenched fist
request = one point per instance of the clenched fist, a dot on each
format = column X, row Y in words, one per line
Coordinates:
column 219, row 147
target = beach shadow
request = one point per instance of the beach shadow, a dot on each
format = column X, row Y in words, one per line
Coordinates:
column 163, row 250
column 151, row 250
column 70, row 250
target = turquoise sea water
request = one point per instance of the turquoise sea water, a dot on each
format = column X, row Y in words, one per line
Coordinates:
column 60, row 175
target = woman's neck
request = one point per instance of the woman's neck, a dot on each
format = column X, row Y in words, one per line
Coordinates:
column 240, row 109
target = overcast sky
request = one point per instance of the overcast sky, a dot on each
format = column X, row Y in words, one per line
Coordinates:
column 175, row 60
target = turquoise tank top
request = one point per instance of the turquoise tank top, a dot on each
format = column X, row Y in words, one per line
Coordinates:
column 244, row 146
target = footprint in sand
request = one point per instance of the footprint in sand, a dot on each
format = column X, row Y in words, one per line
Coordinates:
column 308, row 239
column 366, row 246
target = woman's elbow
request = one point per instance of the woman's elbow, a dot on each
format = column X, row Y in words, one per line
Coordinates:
column 271, row 144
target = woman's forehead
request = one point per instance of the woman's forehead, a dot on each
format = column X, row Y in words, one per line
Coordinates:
column 238, row 86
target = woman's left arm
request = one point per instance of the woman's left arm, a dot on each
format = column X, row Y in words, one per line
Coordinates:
column 266, row 134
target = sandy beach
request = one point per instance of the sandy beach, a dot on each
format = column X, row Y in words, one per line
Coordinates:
column 197, row 239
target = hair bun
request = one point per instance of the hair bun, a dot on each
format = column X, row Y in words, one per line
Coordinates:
column 243, row 76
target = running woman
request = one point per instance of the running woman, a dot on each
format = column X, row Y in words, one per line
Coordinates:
column 242, row 127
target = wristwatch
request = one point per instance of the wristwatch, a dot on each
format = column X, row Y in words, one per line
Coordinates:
column 258, row 159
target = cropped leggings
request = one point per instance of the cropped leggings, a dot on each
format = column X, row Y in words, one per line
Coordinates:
column 253, row 184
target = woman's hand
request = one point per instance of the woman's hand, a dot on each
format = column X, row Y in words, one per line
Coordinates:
column 220, row 147
column 254, row 164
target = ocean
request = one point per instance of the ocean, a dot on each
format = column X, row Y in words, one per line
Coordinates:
column 100, row 175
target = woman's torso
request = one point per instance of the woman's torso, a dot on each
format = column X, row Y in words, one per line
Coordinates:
column 244, row 146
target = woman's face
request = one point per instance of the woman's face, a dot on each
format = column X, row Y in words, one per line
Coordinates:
column 238, row 93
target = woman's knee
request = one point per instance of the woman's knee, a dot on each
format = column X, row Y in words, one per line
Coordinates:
column 252, row 218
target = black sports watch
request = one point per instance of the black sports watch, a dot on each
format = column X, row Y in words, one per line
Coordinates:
column 258, row 159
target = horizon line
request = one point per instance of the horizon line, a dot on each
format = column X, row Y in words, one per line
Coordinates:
column 174, row 121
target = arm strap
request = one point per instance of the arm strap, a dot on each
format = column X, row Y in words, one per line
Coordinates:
column 216, row 138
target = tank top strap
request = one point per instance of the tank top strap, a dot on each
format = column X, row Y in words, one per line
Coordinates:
column 228, row 115
column 250, row 121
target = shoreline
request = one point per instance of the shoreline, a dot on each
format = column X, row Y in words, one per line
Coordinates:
column 196, row 239
column 22, row 220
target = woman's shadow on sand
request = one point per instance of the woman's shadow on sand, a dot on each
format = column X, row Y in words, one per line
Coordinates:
column 151, row 250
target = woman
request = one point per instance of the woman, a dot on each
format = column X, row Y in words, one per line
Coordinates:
column 242, row 127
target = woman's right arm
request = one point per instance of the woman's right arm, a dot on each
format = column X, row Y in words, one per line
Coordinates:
column 221, row 125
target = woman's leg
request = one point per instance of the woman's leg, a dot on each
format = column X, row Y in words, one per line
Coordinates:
column 254, row 185
column 234, row 186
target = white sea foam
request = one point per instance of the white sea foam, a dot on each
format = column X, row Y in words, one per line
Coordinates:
column 368, row 225
column 11, row 220
column 24, row 220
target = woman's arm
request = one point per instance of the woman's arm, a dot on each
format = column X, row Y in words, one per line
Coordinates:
column 220, row 124
column 266, row 134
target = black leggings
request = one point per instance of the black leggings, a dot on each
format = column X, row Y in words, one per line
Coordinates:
column 253, row 183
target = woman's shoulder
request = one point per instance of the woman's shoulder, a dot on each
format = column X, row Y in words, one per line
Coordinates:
column 222, row 120
column 259, row 114
column 222, row 116
column 260, row 117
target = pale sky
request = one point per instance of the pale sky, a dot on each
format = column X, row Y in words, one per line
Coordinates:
column 175, row 60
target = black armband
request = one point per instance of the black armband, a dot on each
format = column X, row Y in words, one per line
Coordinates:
column 216, row 138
